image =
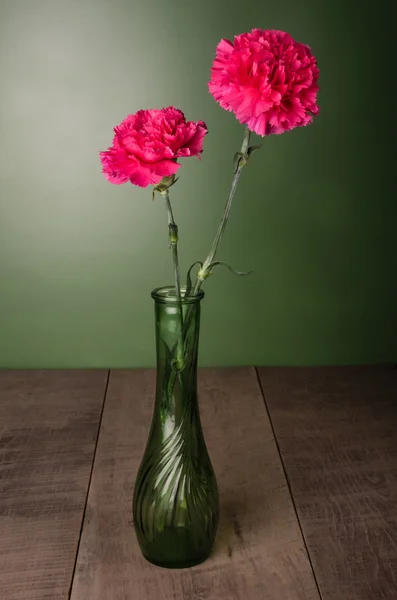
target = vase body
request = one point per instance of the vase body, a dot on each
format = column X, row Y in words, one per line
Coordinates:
column 175, row 505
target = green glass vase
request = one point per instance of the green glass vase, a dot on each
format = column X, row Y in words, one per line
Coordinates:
column 175, row 505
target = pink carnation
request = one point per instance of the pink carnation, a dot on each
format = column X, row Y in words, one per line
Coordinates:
column 146, row 146
column 267, row 79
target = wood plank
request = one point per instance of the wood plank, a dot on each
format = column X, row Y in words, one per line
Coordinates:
column 337, row 431
column 259, row 554
column 48, row 428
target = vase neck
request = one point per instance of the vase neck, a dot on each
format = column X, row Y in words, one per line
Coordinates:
column 176, row 389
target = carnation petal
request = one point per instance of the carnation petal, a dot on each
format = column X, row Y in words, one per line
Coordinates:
column 267, row 79
column 110, row 169
column 151, row 174
column 225, row 47
column 195, row 144
column 114, row 176
column 258, row 124
column 146, row 144
column 166, row 168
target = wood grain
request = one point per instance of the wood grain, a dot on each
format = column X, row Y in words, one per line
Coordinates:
column 259, row 554
column 48, row 427
column 337, row 431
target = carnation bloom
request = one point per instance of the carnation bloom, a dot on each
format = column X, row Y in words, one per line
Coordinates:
column 146, row 146
column 267, row 79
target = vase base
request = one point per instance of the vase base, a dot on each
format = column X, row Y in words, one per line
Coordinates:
column 178, row 565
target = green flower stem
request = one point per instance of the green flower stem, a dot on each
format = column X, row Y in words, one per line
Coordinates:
column 173, row 234
column 204, row 272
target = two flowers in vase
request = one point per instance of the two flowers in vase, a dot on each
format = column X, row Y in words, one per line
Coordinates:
column 270, row 82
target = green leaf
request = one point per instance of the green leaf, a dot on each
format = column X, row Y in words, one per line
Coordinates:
column 175, row 179
column 252, row 148
column 189, row 279
column 223, row 264
column 165, row 184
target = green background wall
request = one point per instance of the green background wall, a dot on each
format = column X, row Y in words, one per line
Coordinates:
column 314, row 213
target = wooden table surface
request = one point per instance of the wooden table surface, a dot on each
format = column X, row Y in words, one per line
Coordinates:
column 306, row 462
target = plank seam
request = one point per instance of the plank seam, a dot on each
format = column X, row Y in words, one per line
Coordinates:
column 288, row 482
column 89, row 484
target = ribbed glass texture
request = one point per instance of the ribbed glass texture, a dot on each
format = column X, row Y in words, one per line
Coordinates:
column 175, row 504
